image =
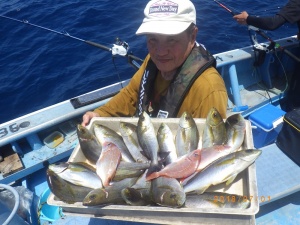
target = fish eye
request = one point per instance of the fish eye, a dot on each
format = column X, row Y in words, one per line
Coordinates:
column 92, row 197
column 196, row 154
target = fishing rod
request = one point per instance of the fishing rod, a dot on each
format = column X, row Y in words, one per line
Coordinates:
column 226, row 8
column 260, row 32
column 119, row 48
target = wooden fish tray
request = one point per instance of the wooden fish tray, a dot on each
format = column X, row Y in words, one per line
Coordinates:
column 245, row 185
column 11, row 162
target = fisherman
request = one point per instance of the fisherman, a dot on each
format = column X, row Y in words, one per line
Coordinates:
column 289, row 13
column 177, row 75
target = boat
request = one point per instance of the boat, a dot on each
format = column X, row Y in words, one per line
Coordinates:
column 256, row 89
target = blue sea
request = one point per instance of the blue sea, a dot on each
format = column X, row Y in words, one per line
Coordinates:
column 41, row 67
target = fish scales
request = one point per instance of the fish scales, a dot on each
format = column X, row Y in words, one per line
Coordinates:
column 187, row 136
column 214, row 132
column 168, row 192
column 236, row 129
column 108, row 195
column 64, row 190
column 129, row 133
column 139, row 193
column 147, row 137
column 105, row 134
column 77, row 173
column 224, row 169
column 166, row 143
column 181, row 168
column 107, row 164
column 89, row 145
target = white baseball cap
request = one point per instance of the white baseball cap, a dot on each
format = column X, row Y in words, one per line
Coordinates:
column 168, row 17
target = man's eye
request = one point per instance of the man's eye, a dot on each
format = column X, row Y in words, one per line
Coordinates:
column 151, row 40
column 171, row 41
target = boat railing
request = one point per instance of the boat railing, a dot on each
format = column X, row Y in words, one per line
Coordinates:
column 28, row 125
column 235, row 67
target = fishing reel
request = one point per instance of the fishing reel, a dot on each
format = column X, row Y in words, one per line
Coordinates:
column 260, row 49
column 120, row 48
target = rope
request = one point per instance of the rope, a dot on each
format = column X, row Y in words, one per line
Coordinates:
column 17, row 202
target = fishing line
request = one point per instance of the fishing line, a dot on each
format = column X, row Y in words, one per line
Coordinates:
column 226, row 8
column 115, row 49
column 272, row 45
column 261, row 33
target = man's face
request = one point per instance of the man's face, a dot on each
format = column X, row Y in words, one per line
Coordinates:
column 168, row 52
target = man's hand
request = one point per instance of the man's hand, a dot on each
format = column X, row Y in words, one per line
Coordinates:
column 241, row 18
column 87, row 117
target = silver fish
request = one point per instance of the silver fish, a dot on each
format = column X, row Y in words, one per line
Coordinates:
column 89, row 144
column 105, row 134
column 147, row 137
column 64, row 190
column 235, row 129
column 214, row 132
column 139, row 193
column 127, row 169
column 208, row 156
column 216, row 200
column 77, row 173
column 129, row 134
column 223, row 169
column 187, row 136
column 108, row 195
column 168, row 192
column 166, row 143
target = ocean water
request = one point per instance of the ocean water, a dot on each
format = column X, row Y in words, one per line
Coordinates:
column 40, row 67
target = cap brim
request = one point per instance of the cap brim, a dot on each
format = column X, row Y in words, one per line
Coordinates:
column 163, row 27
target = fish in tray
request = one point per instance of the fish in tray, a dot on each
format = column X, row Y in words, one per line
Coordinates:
column 187, row 136
column 181, row 168
column 108, row 195
column 235, row 128
column 139, row 193
column 168, row 192
column 225, row 169
column 147, row 138
column 89, row 144
column 167, row 148
column 106, row 165
column 77, row 173
column 64, row 190
column 208, row 156
column 142, row 166
column 129, row 133
column 105, row 134
column 130, row 169
column 214, row 132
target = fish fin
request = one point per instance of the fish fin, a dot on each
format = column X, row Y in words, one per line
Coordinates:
column 153, row 168
column 144, row 154
column 152, row 176
column 163, row 156
column 201, row 190
column 231, row 179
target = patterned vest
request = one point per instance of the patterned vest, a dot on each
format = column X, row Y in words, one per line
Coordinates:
column 197, row 62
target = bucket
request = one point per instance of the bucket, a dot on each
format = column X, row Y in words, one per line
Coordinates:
column 48, row 212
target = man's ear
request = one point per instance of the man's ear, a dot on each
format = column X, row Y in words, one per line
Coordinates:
column 194, row 34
